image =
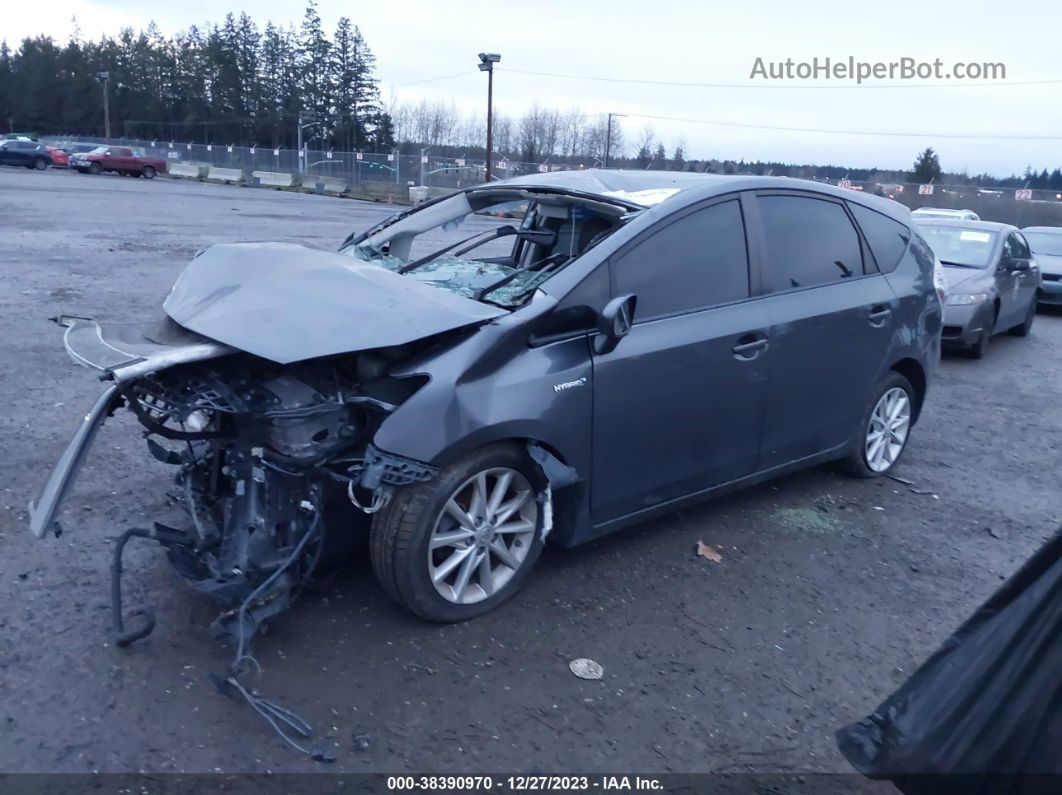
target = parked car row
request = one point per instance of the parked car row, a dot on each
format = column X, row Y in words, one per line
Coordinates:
column 84, row 158
column 993, row 279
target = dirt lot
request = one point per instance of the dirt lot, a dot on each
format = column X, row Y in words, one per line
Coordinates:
column 829, row 593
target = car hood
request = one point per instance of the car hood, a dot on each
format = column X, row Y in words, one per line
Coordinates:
column 286, row 302
column 1049, row 263
column 964, row 279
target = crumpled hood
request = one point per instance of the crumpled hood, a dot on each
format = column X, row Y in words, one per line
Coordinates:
column 286, row 302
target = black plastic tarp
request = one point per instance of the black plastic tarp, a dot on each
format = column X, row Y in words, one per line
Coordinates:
column 984, row 713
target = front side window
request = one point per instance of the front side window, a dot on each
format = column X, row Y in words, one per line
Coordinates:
column 809, row 242
column 694, row 262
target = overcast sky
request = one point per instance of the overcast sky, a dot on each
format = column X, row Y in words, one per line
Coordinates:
column 694, row 41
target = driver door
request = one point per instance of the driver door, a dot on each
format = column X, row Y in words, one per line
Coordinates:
column 1013, row 285
column 678, row 403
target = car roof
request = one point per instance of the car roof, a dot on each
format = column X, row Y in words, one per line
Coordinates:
column 1051, row 230
column 941, row 210
column 694, row 186
column 983, row 226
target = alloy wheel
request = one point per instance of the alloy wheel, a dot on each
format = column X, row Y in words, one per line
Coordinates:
column 482, row 535
column 890, row 422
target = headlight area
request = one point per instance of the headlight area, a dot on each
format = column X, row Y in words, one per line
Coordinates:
column 966, row 299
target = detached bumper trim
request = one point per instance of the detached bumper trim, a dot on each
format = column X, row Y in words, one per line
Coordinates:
column 43, row 511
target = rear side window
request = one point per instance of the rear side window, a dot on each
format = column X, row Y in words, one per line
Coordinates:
column 696, row 261
column 887, row 238
column 809, row 242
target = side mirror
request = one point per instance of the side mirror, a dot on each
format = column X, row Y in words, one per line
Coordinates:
column 614, row 322
column 1016, row 265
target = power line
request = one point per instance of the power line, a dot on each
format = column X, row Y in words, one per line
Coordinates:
column 679, row 84
column 975, row 136
column 433, row 79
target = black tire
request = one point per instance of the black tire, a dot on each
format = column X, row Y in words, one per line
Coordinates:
column 1023, row 328
column 855, row 463
column 95, row 168
column 40, row 164
column 148, row 172
column 402, row 530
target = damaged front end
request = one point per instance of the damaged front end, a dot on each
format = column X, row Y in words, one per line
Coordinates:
column 268, row 458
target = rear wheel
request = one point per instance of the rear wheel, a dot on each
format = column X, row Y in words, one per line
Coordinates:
column 147, row 172
column 1023, row 328
column 40, row 164
column 883, row 430
column 95, row 168
column 458, row 546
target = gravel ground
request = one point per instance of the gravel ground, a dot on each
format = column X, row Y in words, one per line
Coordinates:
column 829, row 593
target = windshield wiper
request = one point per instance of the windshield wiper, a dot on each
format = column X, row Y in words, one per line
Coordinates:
column 492, row 233
column 959, row 264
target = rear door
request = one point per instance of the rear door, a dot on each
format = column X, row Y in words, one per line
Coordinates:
column 678, row 404
column 831, row 314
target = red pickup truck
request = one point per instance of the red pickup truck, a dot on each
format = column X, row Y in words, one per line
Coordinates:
column 121, row 159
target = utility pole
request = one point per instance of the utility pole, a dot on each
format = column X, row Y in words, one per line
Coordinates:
column 105, row 78
column 306, row 119
column 608, row 135
column 486, row 64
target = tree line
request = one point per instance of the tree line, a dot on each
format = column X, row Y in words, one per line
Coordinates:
column 228, row 83
column 238, row 83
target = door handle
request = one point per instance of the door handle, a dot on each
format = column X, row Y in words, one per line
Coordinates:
column 878, row 315
column 750, row 350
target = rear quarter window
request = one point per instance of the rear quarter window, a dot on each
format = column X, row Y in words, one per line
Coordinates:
column 887, row 238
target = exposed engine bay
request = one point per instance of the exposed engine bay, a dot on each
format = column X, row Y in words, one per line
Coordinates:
column 261, row 452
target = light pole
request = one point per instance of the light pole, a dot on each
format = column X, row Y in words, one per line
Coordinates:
column 486, row 64
column 105, row 78
column 608, row 134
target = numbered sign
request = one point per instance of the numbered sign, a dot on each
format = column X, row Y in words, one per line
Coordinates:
column 1023, row 195
column 276, row 153
column 252, row 151
column 229, row 149
column 925, row 190
column 171, row 144
column 390, row 158
column 423, row 158
column 460, row 161
column 328, row 155
column 210, row 147
column 189, row 147
column 542, row 167
column 357, row 155
column 843, row 183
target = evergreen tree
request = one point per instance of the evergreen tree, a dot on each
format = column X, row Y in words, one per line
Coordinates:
column 926, row 167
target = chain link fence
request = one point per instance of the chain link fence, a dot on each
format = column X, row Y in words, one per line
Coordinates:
column 389, row 177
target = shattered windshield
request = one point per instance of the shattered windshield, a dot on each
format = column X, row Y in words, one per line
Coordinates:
column 497, row 247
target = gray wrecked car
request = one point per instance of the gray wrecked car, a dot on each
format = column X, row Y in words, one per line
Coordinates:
column 461, row 384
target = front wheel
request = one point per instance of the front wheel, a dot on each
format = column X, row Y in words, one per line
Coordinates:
column 458, row 546
column 884, row 429
column 95, row 168
column 40, row 164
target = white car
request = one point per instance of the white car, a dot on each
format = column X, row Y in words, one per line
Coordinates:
column 939, row 212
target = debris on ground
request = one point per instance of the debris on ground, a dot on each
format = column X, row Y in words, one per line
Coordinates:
column 994, row 533
column 708, row 551
column 898, row 479
column 586, row 668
